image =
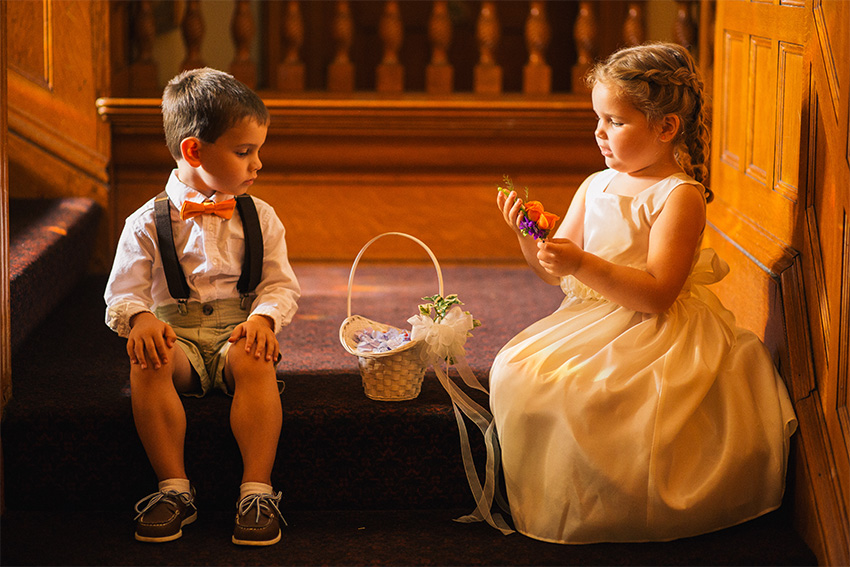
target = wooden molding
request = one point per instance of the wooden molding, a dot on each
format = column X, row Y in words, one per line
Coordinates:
column 339, row 170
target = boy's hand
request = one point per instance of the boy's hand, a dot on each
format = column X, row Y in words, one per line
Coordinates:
column 149, row 338
column 258, row 331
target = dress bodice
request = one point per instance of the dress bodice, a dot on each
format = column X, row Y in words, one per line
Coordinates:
column 617, row 227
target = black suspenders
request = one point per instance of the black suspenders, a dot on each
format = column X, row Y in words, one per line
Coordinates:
column 252, row 263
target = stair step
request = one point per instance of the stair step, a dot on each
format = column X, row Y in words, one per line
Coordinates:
column 50, row 244
column 338, row 449
column 373, row 537
column 364, row 482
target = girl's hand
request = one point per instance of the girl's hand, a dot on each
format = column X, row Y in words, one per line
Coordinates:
column 559, row 256
column 258, row 331
column 510, row 206
column 150, row 339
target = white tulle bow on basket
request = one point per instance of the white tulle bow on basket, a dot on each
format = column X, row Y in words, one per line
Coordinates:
column 445, row 337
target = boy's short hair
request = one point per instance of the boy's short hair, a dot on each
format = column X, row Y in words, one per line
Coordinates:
column 205, row 103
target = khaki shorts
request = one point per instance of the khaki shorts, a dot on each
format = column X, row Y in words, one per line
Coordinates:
column 202, row 333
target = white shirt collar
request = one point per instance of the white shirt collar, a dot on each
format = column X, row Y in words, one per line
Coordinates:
column 178, row 192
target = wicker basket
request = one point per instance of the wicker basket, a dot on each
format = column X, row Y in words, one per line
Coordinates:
column 395, row 375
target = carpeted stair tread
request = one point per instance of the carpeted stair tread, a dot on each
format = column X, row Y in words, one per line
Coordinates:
column 338, row 448
column 373, row 537
column 364, row 482
column 50, row 244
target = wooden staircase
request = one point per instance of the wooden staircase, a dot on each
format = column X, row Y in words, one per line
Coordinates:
column 364, row 482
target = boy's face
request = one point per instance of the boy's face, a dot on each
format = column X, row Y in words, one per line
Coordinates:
column 230, row 164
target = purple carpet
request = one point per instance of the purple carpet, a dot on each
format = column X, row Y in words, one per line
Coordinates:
column 364, row 482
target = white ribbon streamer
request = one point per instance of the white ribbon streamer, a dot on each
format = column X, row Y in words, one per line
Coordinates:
column 444, row 340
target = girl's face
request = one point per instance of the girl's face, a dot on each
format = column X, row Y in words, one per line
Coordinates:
column 230, row 164
column 624, row 135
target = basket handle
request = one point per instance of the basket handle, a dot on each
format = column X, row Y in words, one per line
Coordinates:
column 365, row 246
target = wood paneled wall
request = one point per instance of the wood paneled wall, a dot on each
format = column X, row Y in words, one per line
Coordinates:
column 57, row 68
column 781, row 173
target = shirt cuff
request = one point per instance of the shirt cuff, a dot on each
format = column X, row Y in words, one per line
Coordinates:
column 118, row 317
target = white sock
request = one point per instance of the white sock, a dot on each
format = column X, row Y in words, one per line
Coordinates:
column 249, row 488
column 175, row 484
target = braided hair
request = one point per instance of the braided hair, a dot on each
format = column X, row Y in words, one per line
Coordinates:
column 660, row 79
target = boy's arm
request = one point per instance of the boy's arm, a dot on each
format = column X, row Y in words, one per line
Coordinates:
column 128, row 290
column 278, row 291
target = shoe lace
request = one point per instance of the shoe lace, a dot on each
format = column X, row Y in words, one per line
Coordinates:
column 261, row 502
column 168, row 497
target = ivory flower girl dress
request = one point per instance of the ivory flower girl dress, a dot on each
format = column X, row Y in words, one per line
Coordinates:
column 617, row 425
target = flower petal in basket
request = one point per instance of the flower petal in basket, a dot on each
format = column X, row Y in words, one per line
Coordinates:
column 354, row 324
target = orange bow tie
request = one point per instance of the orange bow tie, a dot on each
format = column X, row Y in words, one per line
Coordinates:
column 223, row 209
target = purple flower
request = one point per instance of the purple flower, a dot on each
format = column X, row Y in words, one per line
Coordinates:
column 528, row 226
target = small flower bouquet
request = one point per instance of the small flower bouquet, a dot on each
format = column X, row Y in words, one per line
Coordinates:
column 535, row 221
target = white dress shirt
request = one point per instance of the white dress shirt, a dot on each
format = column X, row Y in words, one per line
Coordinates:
column 210, row 250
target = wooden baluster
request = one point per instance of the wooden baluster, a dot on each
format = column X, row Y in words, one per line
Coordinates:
column 634, row 26
column 488, row 74
column 193, row 34
column 390, row 72
column 143, row 70
column 584, row 33
column 537, row 75
column 242, row 31
column 684, row 27
column 290, row 73
column 439, row 76
column 341, row 70
column 706, row 43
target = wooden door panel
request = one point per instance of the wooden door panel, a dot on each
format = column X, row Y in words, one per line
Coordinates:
column 787, row 149
column 781, row 172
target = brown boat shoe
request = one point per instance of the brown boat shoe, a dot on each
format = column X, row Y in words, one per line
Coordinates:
column 160, row 516
column 258, row 520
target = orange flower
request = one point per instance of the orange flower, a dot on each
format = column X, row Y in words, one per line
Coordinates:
column 534, row 211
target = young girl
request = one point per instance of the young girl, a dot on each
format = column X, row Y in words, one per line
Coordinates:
column 638, row 410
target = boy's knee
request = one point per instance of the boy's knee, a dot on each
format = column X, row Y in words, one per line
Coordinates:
column 149, row 373
column 246, row 366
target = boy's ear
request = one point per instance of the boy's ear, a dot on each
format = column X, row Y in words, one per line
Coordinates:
column 190, row 148
column 670, row 125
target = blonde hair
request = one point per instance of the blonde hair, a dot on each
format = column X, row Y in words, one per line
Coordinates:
column 205, row 103
column 660, row 79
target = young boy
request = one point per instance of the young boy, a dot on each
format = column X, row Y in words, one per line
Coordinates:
column 220, row 337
